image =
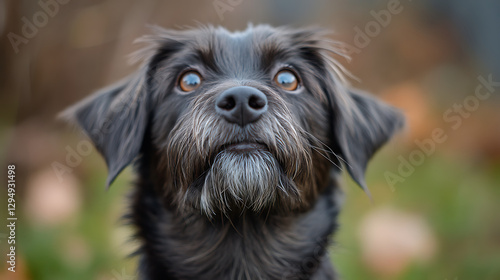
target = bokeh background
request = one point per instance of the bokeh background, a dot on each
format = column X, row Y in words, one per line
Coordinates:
column 435, row 212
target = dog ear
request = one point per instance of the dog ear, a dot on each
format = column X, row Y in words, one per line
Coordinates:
column 115, row 119
column 362, row 130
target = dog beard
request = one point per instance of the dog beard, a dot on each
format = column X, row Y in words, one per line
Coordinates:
column 246, row 180
column 207, row 172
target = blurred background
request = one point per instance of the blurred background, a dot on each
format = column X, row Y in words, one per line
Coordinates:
column 435, row 212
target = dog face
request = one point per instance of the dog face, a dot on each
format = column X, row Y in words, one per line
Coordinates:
column 230, row 122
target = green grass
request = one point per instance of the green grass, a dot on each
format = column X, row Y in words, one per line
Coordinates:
column 461, row 204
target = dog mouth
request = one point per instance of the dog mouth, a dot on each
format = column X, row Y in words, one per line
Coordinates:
column 244, row 147
column 241, row 149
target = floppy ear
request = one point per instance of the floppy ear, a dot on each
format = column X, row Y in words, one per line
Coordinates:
column 115, row 119
column 359, row 132
column 360, row 124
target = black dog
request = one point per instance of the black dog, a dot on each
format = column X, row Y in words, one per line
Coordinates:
column 237, row 140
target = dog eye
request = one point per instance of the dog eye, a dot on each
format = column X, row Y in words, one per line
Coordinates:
column 287, row 80
column 190, row 81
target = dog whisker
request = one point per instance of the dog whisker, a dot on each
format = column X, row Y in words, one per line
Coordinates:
column 329, row 151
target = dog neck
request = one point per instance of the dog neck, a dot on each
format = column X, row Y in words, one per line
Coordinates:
column 190, row 246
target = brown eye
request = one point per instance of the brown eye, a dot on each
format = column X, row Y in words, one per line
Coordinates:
column 287, row 80
column 190, row 81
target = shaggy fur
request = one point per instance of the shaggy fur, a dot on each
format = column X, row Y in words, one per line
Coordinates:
column 204, row 210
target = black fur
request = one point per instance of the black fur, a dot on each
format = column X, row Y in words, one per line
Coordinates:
column 270, row 214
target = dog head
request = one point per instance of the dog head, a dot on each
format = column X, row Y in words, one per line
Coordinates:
column 226, row 122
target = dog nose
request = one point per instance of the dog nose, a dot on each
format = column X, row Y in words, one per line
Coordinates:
column 241, row 105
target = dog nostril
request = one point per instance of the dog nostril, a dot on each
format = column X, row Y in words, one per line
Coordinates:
column 227, row 103
column 241, row 105
column 256, row 102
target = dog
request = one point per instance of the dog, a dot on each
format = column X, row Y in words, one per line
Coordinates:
column 237, row 140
